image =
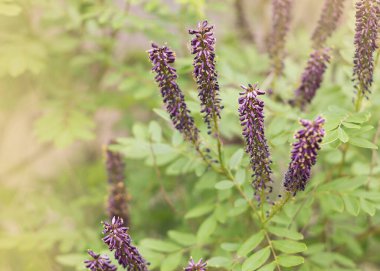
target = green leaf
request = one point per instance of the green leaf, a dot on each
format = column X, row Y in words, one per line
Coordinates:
column 163, row 114
column 268, row 267
column 240, row 176
column 330, row 137
column 133, row 148
column 250, row 244
column 199, row 211
column 223, row 185
column 219, row 262
column 362, row 143
column 206, row 229
column 155, row 131
column 289, row 246
column 367, row 207
column 352, row 204
column 343, row 260
column 284, row 232
column 289, row 261
column 334, row 201
column 221, row 213
column 171, row 262
column 358, row 117
column 277, row 125
column 186, row 239
column 328, row 258
column 256, row 260
column 343, row 184
column 160, row 149
column 159, row 245
column 342, row 135
column 351, row 125
column 236, row 159
column 230, row 246
column 139, row 131
column 207, row 181
column 315, row 248
column 155, row 258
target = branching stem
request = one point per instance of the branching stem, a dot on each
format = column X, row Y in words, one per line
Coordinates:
column 269, row 241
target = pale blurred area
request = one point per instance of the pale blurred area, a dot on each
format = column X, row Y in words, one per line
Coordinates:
column 73, row 75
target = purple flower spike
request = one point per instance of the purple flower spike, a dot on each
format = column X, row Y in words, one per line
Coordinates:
column 161, row 58
column 331, row 13
column 199, row 266
column 304, row 154
column 118, row 196
column 99, row 262
column 252, row 121
column 312, row 77
column 118, row 240
column 367, row 26
column 203, row 49
column 281, row 21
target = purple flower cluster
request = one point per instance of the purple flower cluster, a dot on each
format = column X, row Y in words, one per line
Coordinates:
column 312, row 77
column 331, row 13
column 162, row 58
column 304, row 154
column 281, row 22
column 367, row 27
column 252, row 121
column 99, row 262
column 203, row 49
column 199, row 266
column 118, row 197
column 118, row 240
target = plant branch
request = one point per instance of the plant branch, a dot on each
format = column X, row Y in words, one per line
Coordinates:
column 278, row 206
column 269, row 241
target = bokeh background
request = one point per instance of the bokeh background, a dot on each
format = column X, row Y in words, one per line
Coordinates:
column 75, row 74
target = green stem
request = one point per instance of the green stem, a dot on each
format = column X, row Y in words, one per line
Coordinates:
column 343, row 161
column 269, row 241
column 218, row 139
column 227, row 173
column 278, row 207
column 359, row 99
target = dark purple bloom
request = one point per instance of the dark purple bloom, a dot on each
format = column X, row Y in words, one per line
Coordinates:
column 118, row 240
column 367, row 27
column 99, row 262
column 304, row 154
column 331, row 13
column 312, row 77
column 280, row 27
column 199, row 266
column 203, row 49
column 252, row 121
column 166, row 76
column 118, row 196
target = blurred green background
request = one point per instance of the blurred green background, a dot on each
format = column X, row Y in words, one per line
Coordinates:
column 75, row 74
